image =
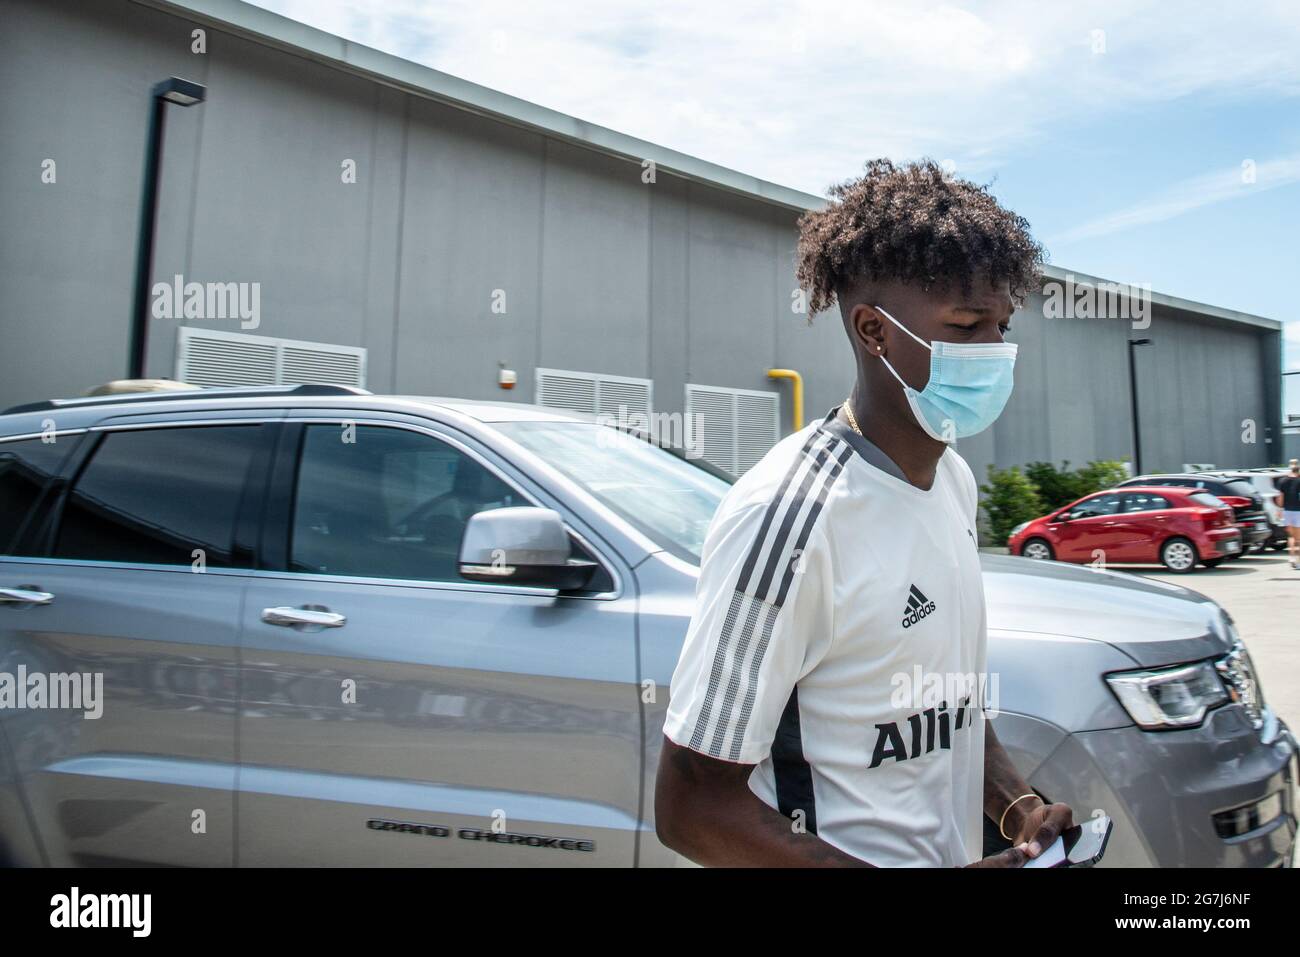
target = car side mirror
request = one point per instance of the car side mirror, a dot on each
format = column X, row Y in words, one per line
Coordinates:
column 521, row 546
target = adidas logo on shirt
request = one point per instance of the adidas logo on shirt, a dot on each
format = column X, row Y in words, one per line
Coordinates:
column 918, row 606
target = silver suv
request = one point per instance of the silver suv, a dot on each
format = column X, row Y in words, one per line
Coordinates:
column 308, row 625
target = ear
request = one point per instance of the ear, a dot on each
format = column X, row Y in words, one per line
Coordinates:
column 867, row 327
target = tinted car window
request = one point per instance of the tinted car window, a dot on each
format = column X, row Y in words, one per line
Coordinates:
column 1101, row 505
column 669, row 495
column 158, row 496
column 1239, row 487
column 1205, row 498
column 26, row 467
column 1144, row 502
column 391, row 503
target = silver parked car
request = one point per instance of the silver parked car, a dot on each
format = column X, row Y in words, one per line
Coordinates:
column 343, row 629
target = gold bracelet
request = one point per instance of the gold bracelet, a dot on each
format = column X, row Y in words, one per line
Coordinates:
column 1002, row 820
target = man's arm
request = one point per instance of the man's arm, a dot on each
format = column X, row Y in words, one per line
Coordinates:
column 705, row 810
column 1032, row 820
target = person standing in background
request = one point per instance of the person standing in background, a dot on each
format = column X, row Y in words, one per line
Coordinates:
column 1288, row 497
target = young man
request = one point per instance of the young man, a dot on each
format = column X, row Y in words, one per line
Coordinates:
column 827, row 706
column 1288, row 497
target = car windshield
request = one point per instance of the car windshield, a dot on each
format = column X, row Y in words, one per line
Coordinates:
column 667, row 496
column 1240, row 487
column 1205, row 498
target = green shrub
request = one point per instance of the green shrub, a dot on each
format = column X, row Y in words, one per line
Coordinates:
column 1009, row 499
column 1061, row 486
column 1056, row 487
column 1012, row 497
column 1101, row 474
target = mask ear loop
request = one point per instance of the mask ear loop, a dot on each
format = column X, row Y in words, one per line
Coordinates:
column 893, row 373
column 910, row 333
column 905, row 329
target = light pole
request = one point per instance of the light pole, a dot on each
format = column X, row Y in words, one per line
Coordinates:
column 182, row 93
column 1133, row 399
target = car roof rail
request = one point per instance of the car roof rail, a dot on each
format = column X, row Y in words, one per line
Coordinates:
column 219, row 392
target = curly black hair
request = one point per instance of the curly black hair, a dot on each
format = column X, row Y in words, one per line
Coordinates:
column 913, row 223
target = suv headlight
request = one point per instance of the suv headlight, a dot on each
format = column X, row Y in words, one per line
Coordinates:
column 1238, row 674
column 1176, row 697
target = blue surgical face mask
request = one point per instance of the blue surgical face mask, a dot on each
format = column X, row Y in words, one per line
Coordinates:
column 969, row 385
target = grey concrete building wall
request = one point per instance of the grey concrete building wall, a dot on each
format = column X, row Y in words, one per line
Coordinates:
column 72, row 82
column 1290, row 446
column 471, row 222
column 676, row 281
column 598, row 270
column 1202, row 384
column 259, row 197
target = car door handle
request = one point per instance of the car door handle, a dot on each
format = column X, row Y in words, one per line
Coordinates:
column 315, row 616
column 25, row 595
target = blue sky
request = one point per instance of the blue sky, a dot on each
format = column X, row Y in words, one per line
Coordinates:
column 1119, row 130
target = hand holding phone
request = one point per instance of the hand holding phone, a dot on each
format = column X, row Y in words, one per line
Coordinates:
column 1078, row 846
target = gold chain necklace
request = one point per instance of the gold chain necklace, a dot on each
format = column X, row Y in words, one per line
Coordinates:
column 848, row 412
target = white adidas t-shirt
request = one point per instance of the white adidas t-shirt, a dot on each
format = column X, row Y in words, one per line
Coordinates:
column 838, row 643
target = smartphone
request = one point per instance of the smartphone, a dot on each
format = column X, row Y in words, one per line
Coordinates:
column 1078, row 846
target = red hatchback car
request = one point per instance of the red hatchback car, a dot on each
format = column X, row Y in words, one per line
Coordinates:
column 1175, row 526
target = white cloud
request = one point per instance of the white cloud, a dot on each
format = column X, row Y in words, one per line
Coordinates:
column 802, row 92
column 1189, row 194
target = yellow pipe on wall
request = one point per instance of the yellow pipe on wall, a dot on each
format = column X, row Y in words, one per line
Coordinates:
column 796, row 381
